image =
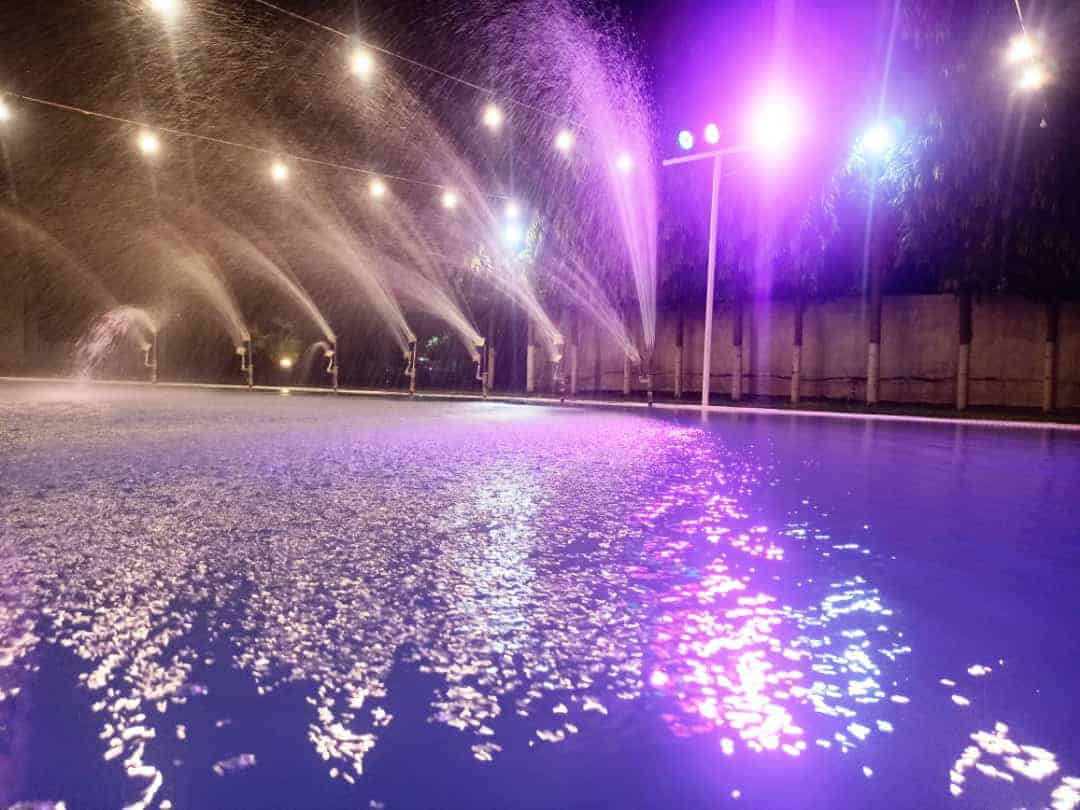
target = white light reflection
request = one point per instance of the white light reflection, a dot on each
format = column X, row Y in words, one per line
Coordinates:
column 993, row 755
column 738, row 662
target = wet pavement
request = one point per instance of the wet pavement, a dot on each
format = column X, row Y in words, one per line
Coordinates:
column 227, row 599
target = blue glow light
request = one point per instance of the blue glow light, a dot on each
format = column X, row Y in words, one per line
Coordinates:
column 686, row 140
column 879, row 139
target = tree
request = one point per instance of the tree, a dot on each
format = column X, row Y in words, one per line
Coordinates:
column 800, row 262
column 986, row 191
column 683, row 249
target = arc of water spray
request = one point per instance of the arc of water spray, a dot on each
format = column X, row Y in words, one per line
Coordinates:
column 342, row 244
column 422, row 280
column 276, row 272
column 202, row 273
column 602, row 312
column 107, row 330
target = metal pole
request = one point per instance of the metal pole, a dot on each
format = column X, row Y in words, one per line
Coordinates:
column 412, row 367
column 336, row 364
column 151, row 358
column 706, row 359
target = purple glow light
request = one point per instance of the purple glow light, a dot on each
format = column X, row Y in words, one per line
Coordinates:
column 775, row 125
column 686, row 140
column 712, row 134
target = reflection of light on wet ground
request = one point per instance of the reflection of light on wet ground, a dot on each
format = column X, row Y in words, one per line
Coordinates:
column 738, row 661
column 543, row 582
column 993, row 755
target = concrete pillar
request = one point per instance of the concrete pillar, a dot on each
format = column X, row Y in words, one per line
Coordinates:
column 1049, row 368
column 873, row 373
column 413, row 349
column 573, row 369
column 249, row 350
column 796, row 350
column 490, row 381
column 737, row 350
column 796, row 373
column 153, row 359
column 626, row 376
column 530, row 362
column 873, row 354
column 963, row 355
column 1053, row 313
column 680, row 339
column 736, row 373
column 963, row 375
column 598, row 376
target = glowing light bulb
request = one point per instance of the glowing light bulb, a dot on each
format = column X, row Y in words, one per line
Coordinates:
column 624, row 162
column 878, row 139
column 712, row 134
column 513, row 234
column 149, row 144
column 449, row 200
column 377, row 187
column 5, row 112
column 166, row 8
column 686, row 140
column 285, row 362
column 279, row 172
column 493, row 117
column 1021, row 49
column 513, row 211
column 362, row 63
column 774, row 127
column 1034, row 77
column 564, row 140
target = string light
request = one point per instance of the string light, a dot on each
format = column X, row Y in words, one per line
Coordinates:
column 169, row 9
column 400, row 57
column 279, row 172
column 1034, row 77
column 5, row 112
column 149, row 144
column 493, row 117
column 377, row 188
column 513, row 234
column 363, row 63
column 1021, row 49
column 182, row 133
column 449, row 200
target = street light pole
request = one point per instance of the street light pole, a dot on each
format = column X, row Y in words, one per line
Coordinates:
column 706, row 357
column 717, row 157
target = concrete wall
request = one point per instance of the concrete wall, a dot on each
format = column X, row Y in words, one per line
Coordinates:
column 1007, row 345
column 13, row 348
column 918, row 351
